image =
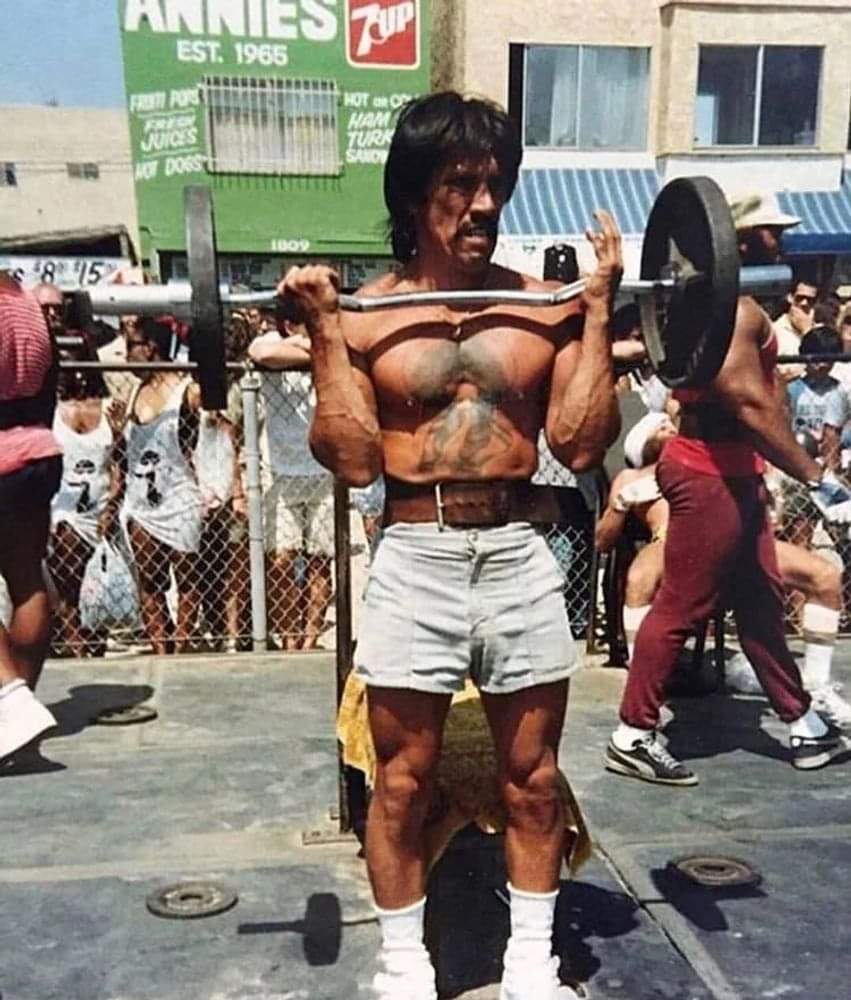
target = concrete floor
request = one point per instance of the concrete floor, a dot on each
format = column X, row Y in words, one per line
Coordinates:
column 241, row 761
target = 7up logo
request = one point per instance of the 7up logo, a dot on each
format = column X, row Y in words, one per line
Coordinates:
column 383, row 33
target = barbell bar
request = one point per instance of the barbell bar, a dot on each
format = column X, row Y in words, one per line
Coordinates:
column 176, row 297
column 687, row 292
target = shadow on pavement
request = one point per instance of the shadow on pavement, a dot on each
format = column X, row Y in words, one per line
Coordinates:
column 699, row 904
column 84, row 702
column 718, row 724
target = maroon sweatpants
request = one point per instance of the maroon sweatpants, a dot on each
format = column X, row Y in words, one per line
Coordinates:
column 719, row 542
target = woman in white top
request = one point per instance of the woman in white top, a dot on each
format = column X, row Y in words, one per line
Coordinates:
column 161, row 510
column 85, row 425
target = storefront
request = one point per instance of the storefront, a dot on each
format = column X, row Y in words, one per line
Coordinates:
column 285, row 110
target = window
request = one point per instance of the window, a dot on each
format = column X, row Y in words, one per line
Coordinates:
column 84, row 171
column 8, row 175
column 271, row 126
column 757, row 95
column 584, row 96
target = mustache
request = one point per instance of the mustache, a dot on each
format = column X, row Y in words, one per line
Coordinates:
column 486, row 227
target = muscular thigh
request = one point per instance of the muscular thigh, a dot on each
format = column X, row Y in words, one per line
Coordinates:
column 23, row 544
column 800, row 569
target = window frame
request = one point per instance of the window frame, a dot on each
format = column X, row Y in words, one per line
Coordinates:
column 755, row 144
column 8, row 173
column 518, row 103
column 325, row 87
column 80, row 170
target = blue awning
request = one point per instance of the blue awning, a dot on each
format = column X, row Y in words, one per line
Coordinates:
column 559, row 202
column 825, row 220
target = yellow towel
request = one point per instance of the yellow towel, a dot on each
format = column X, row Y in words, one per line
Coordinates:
column 466, row 786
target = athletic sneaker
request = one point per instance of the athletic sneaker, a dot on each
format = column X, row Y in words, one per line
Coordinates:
column 22, row 718
column 407, row 976
column 539, row 981
column 648, row 760
column 827, row 701
column 810, row 752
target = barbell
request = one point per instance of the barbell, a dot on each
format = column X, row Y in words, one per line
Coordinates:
column 687, row 292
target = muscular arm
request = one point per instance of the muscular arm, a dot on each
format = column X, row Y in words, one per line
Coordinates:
column 271, row 350
column 741, row 386
column 609, row 529
column 582, row 416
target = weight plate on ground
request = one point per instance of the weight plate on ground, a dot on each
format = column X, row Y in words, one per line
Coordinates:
column 207, row 343
column 188, row 900
column 690, row 236
column 717, row 872
column 125, row 715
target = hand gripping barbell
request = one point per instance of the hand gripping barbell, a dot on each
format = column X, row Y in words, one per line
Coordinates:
column 687, row 293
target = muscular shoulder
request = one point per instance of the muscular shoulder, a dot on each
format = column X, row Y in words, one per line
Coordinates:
column 627, row 476
column 752, row 321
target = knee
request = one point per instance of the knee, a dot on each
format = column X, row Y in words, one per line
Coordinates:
column 827, row 586
column 403, row 794
column 531, row 792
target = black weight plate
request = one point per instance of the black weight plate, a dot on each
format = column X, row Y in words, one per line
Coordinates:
column 189, row 900
column 207, row 343
column 717, row 872
column 125, row 715
column 690, row 231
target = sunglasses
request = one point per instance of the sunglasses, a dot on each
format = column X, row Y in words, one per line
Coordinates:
column 804, row 300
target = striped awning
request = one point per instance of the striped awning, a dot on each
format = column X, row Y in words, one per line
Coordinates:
column 559, row 202
column 825, row 220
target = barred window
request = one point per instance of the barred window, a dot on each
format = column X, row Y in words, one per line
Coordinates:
column 8, row 175
column 84, row 171
column 261, row 125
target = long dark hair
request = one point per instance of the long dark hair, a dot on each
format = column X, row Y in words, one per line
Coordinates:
column 429, row 131
column 82, row 383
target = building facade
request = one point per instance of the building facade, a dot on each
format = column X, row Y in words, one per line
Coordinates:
column 67, row 202
column 284, row 110
column 615, row 99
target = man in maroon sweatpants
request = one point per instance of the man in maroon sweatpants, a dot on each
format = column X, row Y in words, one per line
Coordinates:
column 719, row 539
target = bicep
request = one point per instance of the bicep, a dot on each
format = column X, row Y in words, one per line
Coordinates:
column 363, row 379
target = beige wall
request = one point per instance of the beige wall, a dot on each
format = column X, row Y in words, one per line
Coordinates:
column 41, row 141
column 476, row 60
column 686, row 26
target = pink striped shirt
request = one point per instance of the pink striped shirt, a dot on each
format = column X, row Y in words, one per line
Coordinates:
column 25, row 359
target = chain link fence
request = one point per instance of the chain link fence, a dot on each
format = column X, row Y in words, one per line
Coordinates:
column 181, row 530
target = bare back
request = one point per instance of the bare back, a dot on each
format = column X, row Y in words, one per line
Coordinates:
column 461, row 394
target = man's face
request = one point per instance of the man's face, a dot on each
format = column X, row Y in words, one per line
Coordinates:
column 460, row 215
column 801, row 304
column 760, row 245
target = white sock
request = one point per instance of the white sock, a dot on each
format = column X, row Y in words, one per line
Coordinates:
column 821, row 626
column 811, row 725
column 402, row 932
column 632, row 619
column 532, row 915
column 625, row 737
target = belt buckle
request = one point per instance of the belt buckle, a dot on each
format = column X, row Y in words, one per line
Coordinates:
column 439, row 506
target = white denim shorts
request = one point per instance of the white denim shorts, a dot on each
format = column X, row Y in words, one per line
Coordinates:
column 298, row 515
column 440, row 606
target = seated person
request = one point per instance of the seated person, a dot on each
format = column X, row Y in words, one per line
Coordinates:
column 634, row 493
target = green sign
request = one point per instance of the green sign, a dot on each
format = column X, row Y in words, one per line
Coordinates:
column 284, row 108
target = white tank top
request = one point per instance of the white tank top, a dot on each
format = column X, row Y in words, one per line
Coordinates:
column 289, row 401
column 215, row 459
column 162, row 493
column 84, row 489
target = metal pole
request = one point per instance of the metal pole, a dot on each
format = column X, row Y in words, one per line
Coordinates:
column 343, row 609
column 249, row 386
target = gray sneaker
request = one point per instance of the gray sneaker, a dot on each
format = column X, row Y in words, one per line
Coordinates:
column 811, row 752
column 648, row 760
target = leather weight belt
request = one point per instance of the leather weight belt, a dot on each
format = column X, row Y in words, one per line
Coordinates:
column 482, row 504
